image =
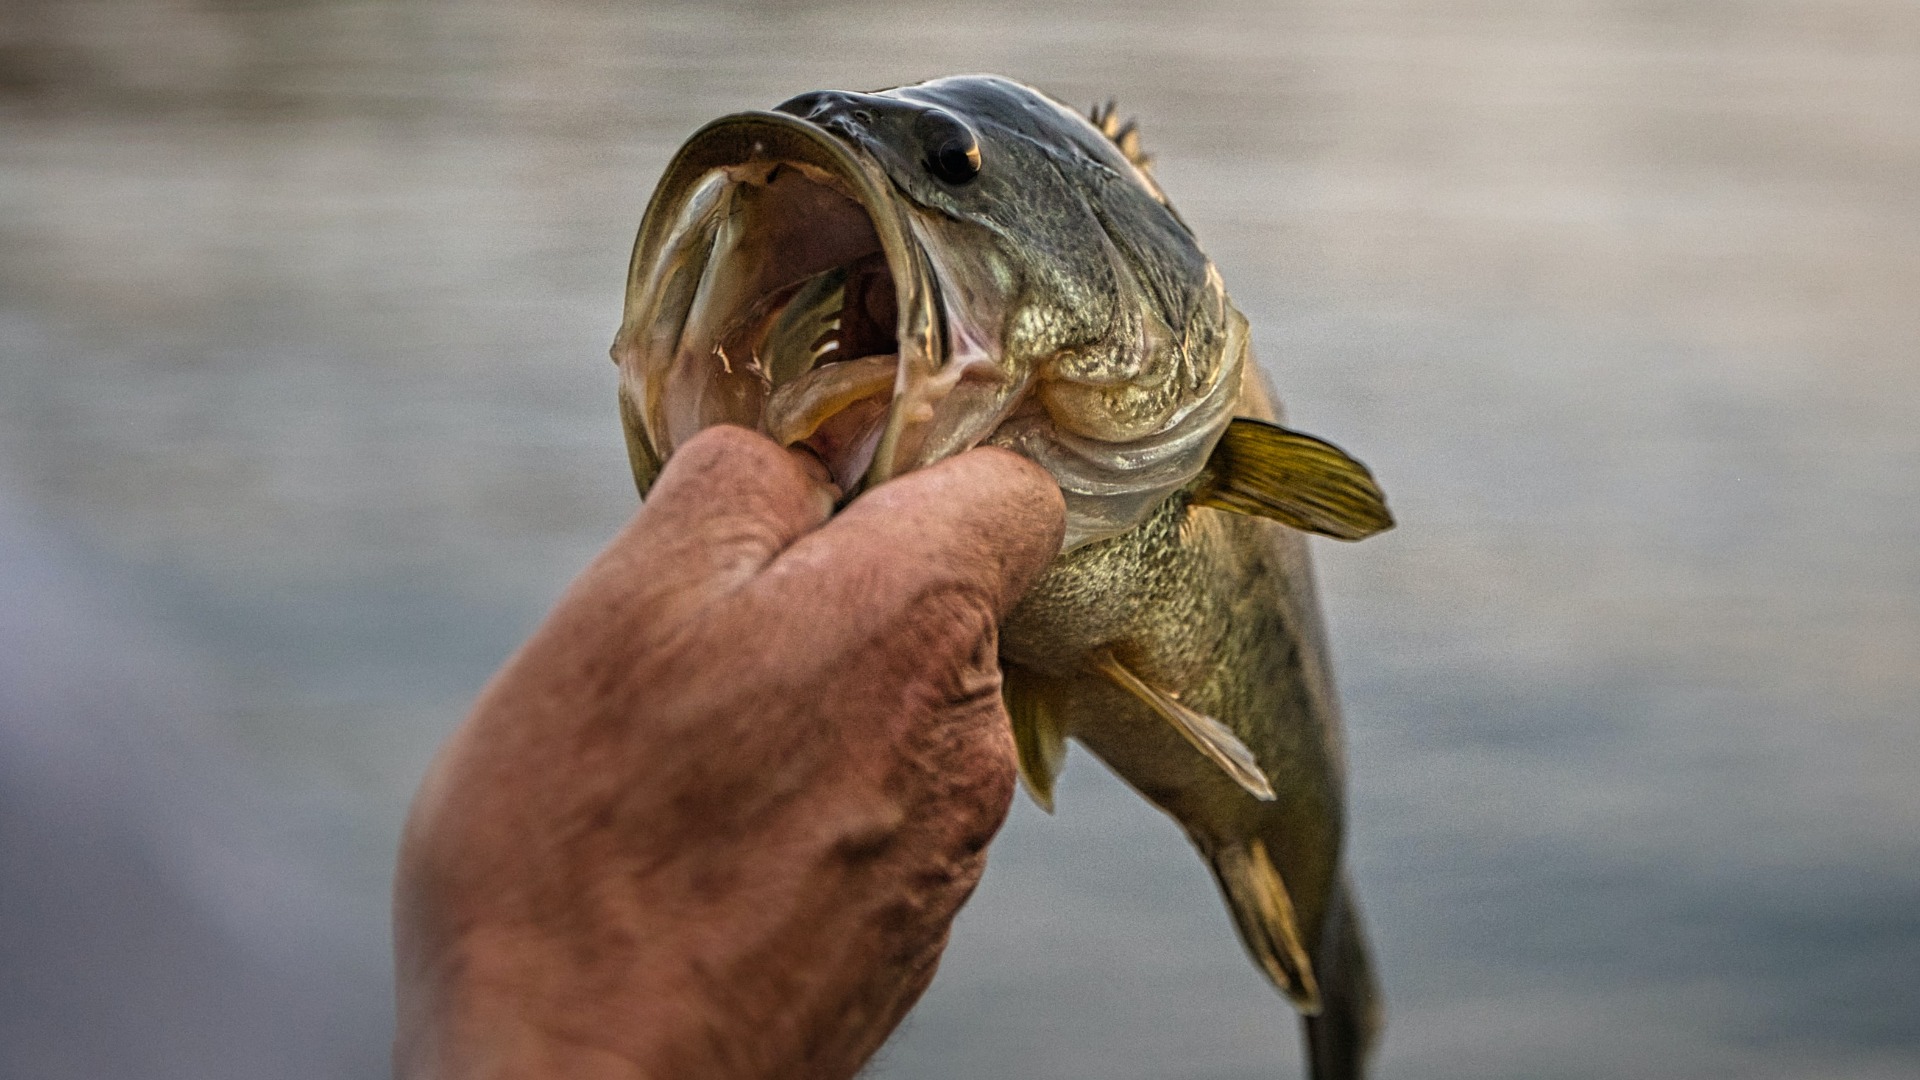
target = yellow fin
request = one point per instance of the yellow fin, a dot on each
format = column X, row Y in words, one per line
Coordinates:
column 1297, row 480
column 1209, row 736
column 1037, row 734
column 1263, row 911
column 1126, row 136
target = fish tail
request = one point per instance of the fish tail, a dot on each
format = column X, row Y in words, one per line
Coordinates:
column 1340, row 1038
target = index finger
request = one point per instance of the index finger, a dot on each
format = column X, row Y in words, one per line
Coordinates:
column 724, row 506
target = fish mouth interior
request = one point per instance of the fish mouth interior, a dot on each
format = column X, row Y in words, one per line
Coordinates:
column 794, row 325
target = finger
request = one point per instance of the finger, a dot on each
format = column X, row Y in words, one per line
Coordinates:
column 987, row 518
column 726, row 503
column 978, row 528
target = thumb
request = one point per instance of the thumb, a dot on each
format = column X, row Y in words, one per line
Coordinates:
column 985, row 524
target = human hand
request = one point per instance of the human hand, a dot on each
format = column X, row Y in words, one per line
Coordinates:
column 717, row 815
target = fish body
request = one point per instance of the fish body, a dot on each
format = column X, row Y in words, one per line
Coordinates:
column 887, row 279
column 1219, row 608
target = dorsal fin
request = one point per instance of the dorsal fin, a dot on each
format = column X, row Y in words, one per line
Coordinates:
column 1126, row 136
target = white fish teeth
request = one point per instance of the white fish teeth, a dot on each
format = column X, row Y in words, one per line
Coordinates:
column 831, row 333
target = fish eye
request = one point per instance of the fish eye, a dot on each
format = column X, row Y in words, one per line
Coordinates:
column 953, row 153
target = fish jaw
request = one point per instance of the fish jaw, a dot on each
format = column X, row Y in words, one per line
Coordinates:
column 1052, row 304
column 777, row 283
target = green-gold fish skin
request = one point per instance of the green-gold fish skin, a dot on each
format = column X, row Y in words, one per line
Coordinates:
column 1031, row 287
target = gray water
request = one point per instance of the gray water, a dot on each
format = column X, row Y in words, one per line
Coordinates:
column 305, row 417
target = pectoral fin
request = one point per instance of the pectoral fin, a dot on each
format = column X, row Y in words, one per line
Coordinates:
column 1297, row 480
column 1037, row 734
column 1209, row 736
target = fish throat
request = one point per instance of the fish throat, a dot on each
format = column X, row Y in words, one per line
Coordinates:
column 794, row 328
column 777, row 286
column 798, row 276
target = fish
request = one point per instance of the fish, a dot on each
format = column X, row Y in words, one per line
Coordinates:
column 890, row 278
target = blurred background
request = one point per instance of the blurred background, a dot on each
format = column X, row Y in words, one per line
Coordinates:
column 306, row 416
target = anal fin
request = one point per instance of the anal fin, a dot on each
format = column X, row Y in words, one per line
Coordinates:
column 1263, row 911
column 1209, row 736
column 1038, row 736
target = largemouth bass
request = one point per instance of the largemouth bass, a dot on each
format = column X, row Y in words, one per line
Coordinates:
column 887, row 279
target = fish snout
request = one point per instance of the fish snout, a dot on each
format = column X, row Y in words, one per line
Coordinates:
column 944, row 145
column 843, row 110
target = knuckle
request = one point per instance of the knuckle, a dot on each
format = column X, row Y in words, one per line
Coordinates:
column 963, row 750
column 956, row 615
column 955, row 635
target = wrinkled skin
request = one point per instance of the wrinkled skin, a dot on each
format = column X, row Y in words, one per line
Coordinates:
column 1054, row 304
column 644, row 855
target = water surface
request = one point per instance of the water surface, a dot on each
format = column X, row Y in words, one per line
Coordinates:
column 305, row 417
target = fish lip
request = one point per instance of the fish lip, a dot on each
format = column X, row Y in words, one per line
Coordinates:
column 650, row 328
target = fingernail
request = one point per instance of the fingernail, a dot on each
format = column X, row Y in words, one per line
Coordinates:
column 817, row 470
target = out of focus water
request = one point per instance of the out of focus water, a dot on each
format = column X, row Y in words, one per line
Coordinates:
column 305, row 417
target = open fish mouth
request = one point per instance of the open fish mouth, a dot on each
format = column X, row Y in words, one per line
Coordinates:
column 786, row 279
column 777, row 284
